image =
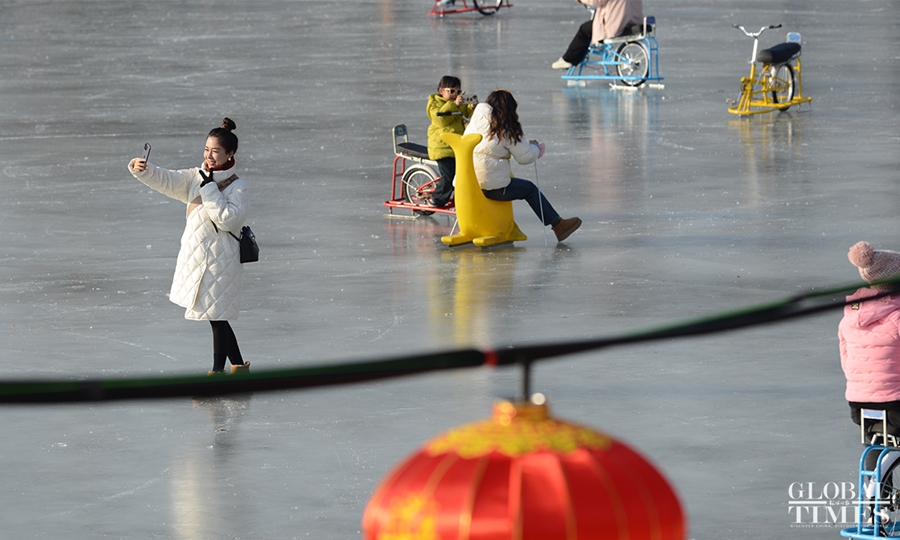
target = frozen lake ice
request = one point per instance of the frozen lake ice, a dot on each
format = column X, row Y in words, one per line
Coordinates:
column 687, row 211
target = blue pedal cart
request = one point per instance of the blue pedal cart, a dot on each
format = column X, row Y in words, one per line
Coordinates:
column 878, row 502
column 631, row 59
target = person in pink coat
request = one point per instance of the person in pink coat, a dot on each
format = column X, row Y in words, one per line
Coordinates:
column 611, row 18
column 869, row 335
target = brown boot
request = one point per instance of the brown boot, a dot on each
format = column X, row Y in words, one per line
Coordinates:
column 565, row 227
column 240, row 369
column 213, row 373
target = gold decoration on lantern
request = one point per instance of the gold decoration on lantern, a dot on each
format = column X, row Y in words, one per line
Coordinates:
column 516, row 430
column 413, row 517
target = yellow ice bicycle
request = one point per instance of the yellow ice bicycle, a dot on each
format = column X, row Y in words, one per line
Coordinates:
column 778, row 84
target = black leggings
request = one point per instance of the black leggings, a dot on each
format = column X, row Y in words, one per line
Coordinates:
column 225, row 345
column 580, row 43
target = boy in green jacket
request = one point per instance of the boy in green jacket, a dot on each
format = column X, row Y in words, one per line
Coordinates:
column 448, row 113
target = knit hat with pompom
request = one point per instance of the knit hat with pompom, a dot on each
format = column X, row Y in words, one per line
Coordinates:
column 874, row 265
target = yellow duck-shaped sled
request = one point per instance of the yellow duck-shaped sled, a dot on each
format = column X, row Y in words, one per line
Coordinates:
column 482, row 221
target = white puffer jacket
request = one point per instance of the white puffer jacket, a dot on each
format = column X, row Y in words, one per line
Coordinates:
column 208, row 271
column 491, row 156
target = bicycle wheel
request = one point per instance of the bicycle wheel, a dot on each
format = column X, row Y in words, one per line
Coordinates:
column 890, row 496
column 633, row 63
column 487, row 7
column 418, row 184
column 782, row 83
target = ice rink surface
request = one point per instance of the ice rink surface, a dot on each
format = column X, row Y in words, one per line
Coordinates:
column 687, row 211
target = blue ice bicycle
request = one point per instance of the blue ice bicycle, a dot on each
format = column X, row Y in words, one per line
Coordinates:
column 878, row 503
column 631, row 59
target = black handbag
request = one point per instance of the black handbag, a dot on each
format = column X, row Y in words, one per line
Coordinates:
column 249, row 247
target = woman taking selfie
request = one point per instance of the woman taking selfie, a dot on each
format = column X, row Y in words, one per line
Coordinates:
column 502, row 138
column 208, row 270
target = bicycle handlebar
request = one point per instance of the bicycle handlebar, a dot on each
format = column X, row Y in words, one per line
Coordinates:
column 754, row 35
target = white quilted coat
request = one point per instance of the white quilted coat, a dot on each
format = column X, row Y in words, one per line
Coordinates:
column 208, row 271
column 491, row 156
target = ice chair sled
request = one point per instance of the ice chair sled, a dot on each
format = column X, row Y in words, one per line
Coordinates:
column 482, row 221
column 875, row 508
column 413, row 178
column 632, row 58
column 778, row 84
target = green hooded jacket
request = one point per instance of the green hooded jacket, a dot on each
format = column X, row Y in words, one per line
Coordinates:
column 454, row 123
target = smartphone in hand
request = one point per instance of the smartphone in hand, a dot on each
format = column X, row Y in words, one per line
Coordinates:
column 146, row 151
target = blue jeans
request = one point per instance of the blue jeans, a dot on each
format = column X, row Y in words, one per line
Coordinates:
column 519, row 189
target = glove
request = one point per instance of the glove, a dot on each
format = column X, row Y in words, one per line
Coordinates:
column 206, row 179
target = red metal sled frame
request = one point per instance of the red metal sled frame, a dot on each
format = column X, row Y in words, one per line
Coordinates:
column 485, row 7
column 398, row 198
column 404, row 152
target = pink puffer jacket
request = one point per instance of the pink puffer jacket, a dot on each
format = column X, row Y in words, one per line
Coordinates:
column 613, row 16
column 869, row 337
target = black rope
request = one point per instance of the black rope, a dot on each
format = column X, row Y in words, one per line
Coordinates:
column 798, row 306
column 134, row 388
column 138, row 388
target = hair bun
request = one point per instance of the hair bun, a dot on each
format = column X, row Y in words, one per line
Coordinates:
column 861, row 254
column 228, row 123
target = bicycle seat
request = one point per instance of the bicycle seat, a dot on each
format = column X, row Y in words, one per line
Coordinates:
column 636, row 30
column 875, row 429
column 633, row 32
column 778, row 54
column 412, row 150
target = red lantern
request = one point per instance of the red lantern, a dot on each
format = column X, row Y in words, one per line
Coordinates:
column 524, row 476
